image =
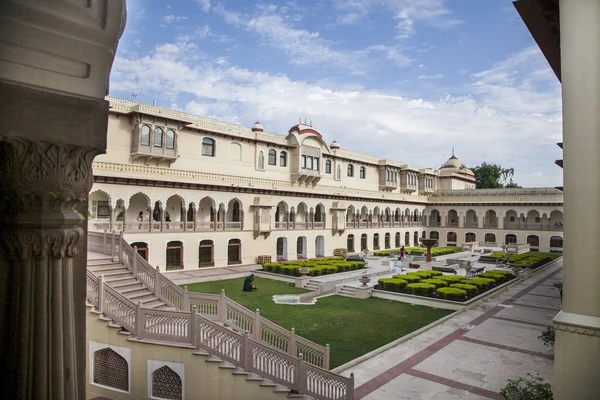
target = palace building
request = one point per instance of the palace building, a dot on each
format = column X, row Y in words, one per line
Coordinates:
column 191, row 191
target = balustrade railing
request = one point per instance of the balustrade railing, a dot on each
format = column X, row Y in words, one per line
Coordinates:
column 205, row 226
column 232, row 226
column 263, row 348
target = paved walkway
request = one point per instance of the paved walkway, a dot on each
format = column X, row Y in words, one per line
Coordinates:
column 472, row 355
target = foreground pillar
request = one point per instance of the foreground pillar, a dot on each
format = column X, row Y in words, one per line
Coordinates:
column 577, row 351
column 55, row 60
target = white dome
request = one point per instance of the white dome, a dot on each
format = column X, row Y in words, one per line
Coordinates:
column 453, row 162
column 334, row 145
column 257, row 127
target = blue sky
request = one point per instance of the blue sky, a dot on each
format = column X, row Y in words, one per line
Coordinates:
column 401, row 79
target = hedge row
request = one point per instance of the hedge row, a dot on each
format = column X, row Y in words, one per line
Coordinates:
column 317, row 267
column 436, row 251
column 531, row 259
column 445, row 286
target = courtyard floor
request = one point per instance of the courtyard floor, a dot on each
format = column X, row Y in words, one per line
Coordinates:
column 472, row 355
column 352, row 327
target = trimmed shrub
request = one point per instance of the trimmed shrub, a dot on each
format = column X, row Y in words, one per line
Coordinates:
column 451, row 278
column 410, row 278
column 420, row 288
column 499, row 278
column 423, row 274
column 436, row 273
column 437, row 282
column 392, row 284
column 451, row 293
column 437, row 251
column 481, row 283
column 471, row 289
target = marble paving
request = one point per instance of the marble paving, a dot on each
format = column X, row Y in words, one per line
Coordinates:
column 473, row 354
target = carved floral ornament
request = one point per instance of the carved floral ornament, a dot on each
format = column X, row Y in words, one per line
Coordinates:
column 42, row 185
column 577, row 329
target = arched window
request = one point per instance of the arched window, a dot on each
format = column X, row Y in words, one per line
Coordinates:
column 283, row 159
column 206, row 254
column 158, row 137
column 142, row 249
column 309, row 163
column 174, row 255
column 261, row 160
column 170, row 139
column 145, row 135
column 234, row 252
column 350, row 170
column 363, row 172
column 303, row 162
column 339, row 171
column 272, row 157
column 111, row 370
column 166, row 384
column 327, row 166
column 208, row 147
column 556, row 241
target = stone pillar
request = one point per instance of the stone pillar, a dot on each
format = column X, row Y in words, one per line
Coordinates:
column 500, row 221
column 480, row 220
column 56, row 58
column 577, row 351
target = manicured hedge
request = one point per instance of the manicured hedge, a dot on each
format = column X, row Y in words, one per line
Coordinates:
column 451, row 278
column 481, row 283
column 420, row 288
column 410, row 278
column 437, row 282
column 436, row 251
column 471, row 289
column 499, row 277
column 531, row 259
column 451, row 293
column 317, row 267
column 392, row 284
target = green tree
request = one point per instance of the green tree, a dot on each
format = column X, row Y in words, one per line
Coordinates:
column 493, row 176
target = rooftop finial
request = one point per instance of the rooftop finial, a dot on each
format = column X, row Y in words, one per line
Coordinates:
column 310, row 123
column 304, row 120
column 300, row 120
column 452, row 151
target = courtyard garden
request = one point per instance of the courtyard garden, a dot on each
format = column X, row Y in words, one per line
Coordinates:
column 352, row 327
column 316, row 266
column 435, row 251
column 450, row 287
column 531, row 259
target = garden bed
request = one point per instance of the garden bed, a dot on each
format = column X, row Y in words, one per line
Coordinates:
column 531, row 259
column 436, row 251
column 433, row 284
column 316, row 266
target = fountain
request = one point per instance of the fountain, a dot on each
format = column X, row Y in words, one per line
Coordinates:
column 429, row 243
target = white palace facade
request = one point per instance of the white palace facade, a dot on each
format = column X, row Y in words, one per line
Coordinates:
column 193, row 192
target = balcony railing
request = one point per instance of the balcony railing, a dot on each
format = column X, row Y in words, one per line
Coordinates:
column 233, row 226
column 205, row 226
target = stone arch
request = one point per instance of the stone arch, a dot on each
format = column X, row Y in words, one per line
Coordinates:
column 281, row 248
column 416, row 215
column 206, row 213
column 490, row 219
column 301, row 247
column 511, row 219
column 166, row 384
column 434, row 235
column 320, row 213
column 102, row 192
column 234, row 251
column 350, row 243
column 350, row 214
column 364, row 244
column 489, row 238
column 556, row 242
column 302, row 213
column 510, row 238
column 397, row 215
column 206, row 253
column 364, row 214
column 281, row 212
column 397, row 240
column 235, row 210
column 174, row 205
column 470, row 237
column 407, row 239
column 320, row 246
column 452, row 218
column 111, row 369
column 451, row 237
column 533, row 219
column 556, row 220
column 435, row 218
column 387, row 240
column 533, row 240
column 235, row 151
column 471, row 218
column 387, row 214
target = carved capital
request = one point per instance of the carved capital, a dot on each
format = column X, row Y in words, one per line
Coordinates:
column 42, row 186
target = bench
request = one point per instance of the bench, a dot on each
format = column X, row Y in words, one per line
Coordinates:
column 448, row 269
column 476, row 271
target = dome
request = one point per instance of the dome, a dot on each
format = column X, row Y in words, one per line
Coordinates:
column 453, row 162
column 334, row 145
column 257, row 127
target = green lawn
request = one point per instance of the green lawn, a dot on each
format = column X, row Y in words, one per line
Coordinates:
column 352, row 327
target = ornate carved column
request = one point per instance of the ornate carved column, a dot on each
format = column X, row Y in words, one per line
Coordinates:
column 56, row 58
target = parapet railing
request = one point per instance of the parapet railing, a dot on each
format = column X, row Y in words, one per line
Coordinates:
column 217, row 308
column 242, row 350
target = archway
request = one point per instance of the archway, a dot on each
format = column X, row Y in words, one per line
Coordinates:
column 376, row 241
column 319, row 217
column 416, row 238
column 387, row 240
column 205, row 214
column 301, row 247
column 234, row 252
column 282, row 248
column 234, row 215
column 206, row 253
column 407, row 239
column 435, row 218
column 451, row 238
column 471, row 219
column 510, row 238
column 452, row 218
column 533, row 241
column 100, row 211
column 556, row 220
column 511, row 220
column 397, row 240
column 556, row 242
column 490, row 220
column 173, row 213
column 490, row 238
column 350, row 243
column 533, row 221
column 320, row 246
column 363, row 242
column 174, row 255
column 138, row 212
column 470, row 237
column 434, row 235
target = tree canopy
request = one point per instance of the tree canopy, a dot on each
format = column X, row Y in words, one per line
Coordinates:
column 493, row 176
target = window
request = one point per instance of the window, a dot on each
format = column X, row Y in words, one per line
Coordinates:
column 363, row 172
column 339, row 171
column 283, row 159
column 350, row 170
column 272, row 157
column 170, row 139
column 261, row 160
column 512, row 219
column 303, row 162
column 309, row 163
column 206, row 253
column 316, row 163
column 174, row 255
column 166, row 384
column 111, row 370
column 327, row 166
column 158, row 137
column 145, row 135
column 208, row 147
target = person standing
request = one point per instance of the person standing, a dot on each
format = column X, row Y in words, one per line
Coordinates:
column 402, row 251
column 140, row 219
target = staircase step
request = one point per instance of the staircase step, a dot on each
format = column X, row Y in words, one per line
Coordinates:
column 268, row 383
column 123, row 283
column 227, row 365
column 119, row 278
column 107, row 267
column 281, row 389
column 99, row 261
column 143, row 296
column 118, row 273
column 213, row 358
column 131, row 289
column 153, row 303
column 254, row 377
column 114, row 325
column 240, row 371
column 200, row 352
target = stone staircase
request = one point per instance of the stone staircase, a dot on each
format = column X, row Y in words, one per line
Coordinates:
column 279, row 391
column 312, row 285
column 346, row 290
column 117, row 276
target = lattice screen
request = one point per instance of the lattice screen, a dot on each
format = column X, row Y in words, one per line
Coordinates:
column 166, row 384
column 110, row 369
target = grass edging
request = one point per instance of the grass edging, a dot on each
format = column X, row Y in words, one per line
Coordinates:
column 396, row 342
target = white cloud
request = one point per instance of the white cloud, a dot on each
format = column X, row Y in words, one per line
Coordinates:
column 205, row 5
column 167, row 19
column 512, row 118
column 438, row 76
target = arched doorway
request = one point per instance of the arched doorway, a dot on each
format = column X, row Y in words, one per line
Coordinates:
column 434, row 235
column 350, row 243
column 301, row 248
column 407, row 239
column 397, row 240
column 281, row 248
column 387, row 240
column 416, row 239
column 490, row 238
column 533, row 241
column 510, row 238
column 470, row 237
column 320, row 246
column 174, row 255
column 451, row 238
column 234, row 252
column 206, row 254
column 142, row 249
column 556, row 242
column 363, row 242
column 376, row 241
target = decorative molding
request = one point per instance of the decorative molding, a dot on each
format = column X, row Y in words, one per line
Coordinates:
column 43, row 186
column 577, row 323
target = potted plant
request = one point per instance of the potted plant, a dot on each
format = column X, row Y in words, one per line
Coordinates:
column 364, row 279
